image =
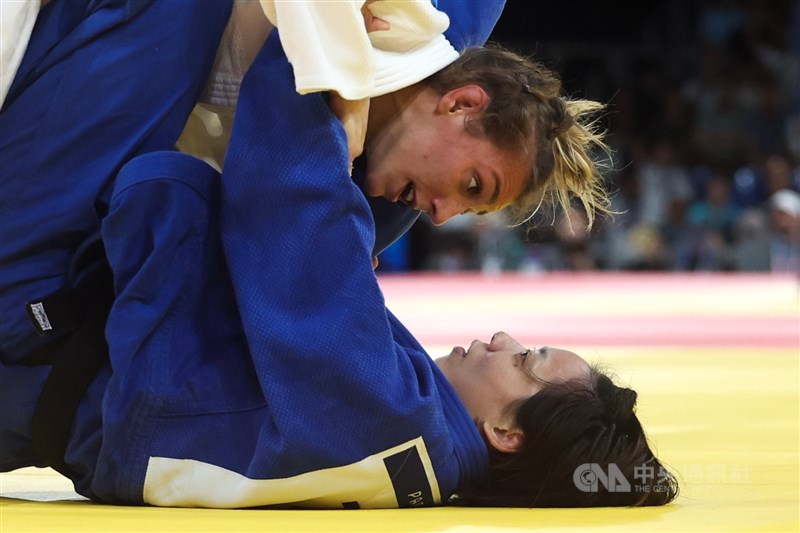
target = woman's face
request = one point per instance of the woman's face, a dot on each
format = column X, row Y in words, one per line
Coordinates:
column 491, row 378
column 426, row 158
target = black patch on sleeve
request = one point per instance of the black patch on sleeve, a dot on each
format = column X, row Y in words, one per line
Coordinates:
column 411, row 486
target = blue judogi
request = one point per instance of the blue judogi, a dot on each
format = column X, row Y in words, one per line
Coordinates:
column 240, row 391
column 101, row 82
column 262, row 367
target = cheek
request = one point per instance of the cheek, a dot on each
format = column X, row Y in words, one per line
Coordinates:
column 500, row 381
column 443, row 173
column 516, row 386
column 476, row 381
column 444, row 154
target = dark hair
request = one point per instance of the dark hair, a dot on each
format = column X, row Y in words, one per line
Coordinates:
column 569, row 427
column 526, row 107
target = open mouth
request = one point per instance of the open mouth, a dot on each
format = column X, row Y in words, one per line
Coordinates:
column 408, row 195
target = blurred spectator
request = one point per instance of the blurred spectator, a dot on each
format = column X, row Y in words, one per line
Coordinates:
column 705, row 240
column 751, row 249
column 785, row 231
column 723, row 107
column 628, row 241
column 499, row 247
column 559, row 243
column 452, row 246
column 664, row 188
column 778, row 174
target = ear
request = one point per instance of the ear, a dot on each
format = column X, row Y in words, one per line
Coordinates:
column 467, row 99
column 508, row 440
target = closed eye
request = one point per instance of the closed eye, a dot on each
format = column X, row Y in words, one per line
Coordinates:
column 524, row 360
column 526, row 363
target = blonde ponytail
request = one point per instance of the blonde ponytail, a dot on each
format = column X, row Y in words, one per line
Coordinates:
column 567, row 165
column 528, row 113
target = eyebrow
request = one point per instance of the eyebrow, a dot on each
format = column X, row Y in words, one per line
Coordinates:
column 541, row 353
column 495, row 192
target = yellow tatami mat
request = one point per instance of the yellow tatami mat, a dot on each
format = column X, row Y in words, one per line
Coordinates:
column 714, row 359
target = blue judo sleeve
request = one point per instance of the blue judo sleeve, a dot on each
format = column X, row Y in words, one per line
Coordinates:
column 173, row 324
column 471, row 22
column 101, row 82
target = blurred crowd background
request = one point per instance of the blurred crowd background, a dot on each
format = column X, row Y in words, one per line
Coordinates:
column 703, row 119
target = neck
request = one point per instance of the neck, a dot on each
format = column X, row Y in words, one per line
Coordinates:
column 389, row 108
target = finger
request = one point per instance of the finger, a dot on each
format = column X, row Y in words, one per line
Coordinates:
column 376, row 24
column 372, row 22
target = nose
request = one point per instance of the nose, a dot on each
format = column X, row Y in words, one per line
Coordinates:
column 498, row 334
column 501, row 340
column 443, row 209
